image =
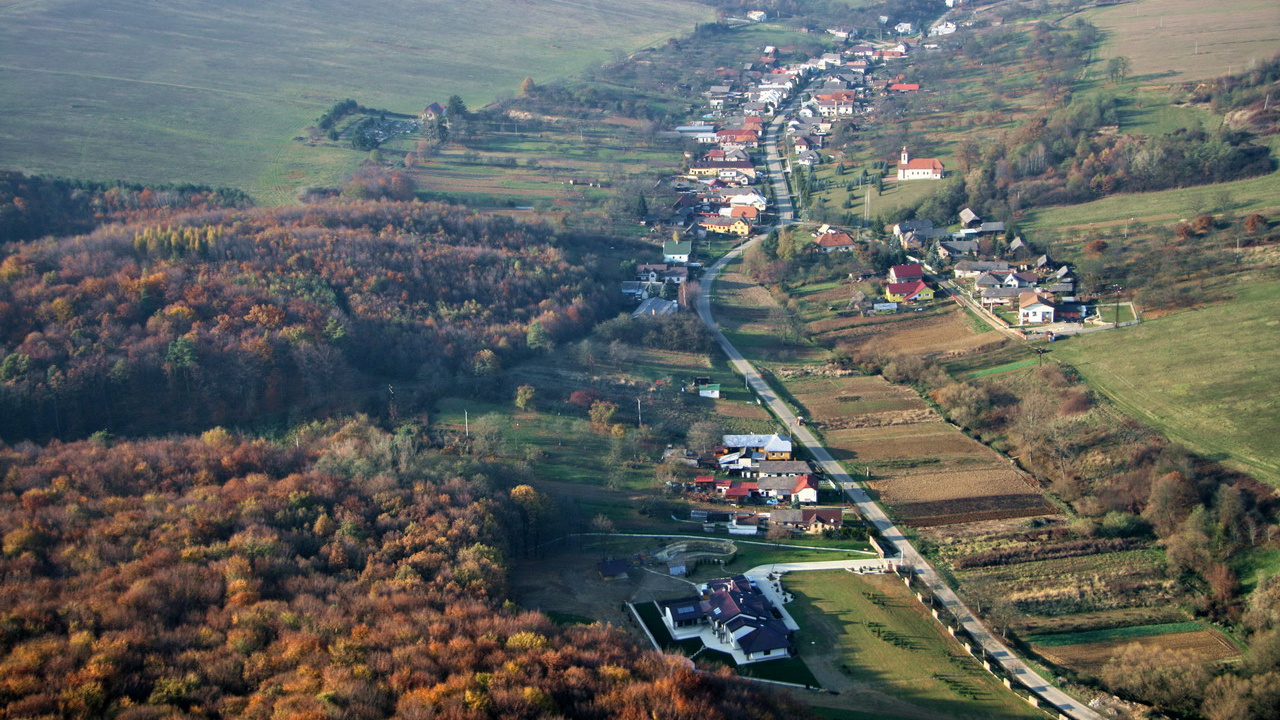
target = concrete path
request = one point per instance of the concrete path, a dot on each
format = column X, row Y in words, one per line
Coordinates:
column 908, row 555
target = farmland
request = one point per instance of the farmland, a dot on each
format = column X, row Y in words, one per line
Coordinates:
column 185, row 92
column 871, row 638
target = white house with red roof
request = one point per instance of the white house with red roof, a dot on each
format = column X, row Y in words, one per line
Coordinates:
column 919, row 168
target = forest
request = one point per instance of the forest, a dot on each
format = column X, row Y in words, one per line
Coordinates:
column 347, row 572
column 232, row 316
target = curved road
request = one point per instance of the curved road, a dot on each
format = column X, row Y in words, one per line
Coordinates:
column 872, row 512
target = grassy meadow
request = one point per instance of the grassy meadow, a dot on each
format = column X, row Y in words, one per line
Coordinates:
column 1184, row 40
column 1205, row 376
column 220, row 94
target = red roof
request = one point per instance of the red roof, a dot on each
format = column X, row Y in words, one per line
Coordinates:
column 923, row 164
column 907, row 290
column 704, row 479
column 905, row 272
column 905, row 87
column 834, row 240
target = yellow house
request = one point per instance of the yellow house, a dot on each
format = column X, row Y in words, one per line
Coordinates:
column 914, row 291
column 727, row 226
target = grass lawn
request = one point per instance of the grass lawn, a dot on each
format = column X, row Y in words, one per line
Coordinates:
column 1115, row 313
column 186, row 91
column 886, row 638
column 1206, row 377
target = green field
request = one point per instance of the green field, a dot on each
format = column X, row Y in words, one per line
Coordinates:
column 192, row 92
column 1206, row 377
column 882, row 636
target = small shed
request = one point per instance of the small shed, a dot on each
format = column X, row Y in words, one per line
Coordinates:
column 613, row 569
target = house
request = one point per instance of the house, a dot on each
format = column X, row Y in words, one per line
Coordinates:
column 922, row 226
column 906, row 273
column 731, row 615
column 782, row 468
column 990, row 228
column 946, row 28
column 744, row 524
column 957, row 248
column 974, row 268
column 746, row 197
column 773, row 447
column 835, row 242
column 919, row 168
column 726, row 226
column 757, row 15
column 808, row 519
column 432, row 112
column 676, row 252
column 750, row 213
column 908, row 292
column 656, row 306
column 842, row 32
column 992, row 296
column 904, row 28
column 991, row 279
column 969, row 218
column 1035, row 309
column 723, row 169
column 711, row 390
column 904, row 87
column 1020, row 279
column 799, row 488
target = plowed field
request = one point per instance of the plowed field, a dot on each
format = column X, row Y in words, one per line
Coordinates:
column 1207, row 645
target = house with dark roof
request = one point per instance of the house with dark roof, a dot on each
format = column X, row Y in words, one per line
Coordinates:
column 732, row 615
column 808, row 519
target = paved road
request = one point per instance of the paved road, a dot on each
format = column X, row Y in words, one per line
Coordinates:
column 872, row 512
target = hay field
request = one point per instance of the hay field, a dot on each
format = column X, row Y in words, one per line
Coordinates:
column 186, row 91
column 1185, row 40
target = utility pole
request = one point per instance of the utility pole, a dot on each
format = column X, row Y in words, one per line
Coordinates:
column 466, row 419
column 639, row 416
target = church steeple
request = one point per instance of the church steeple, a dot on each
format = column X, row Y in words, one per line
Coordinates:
column 906, row 158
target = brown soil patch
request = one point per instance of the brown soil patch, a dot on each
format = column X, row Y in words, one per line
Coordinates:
column 929, row 334
column 746, row 411
column 1207, row 645
column 945, row 442
column 942, row 498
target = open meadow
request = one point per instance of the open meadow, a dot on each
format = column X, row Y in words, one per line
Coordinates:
column 1203, row 376
column 221, row 95
column 869, row 637
column 1185, row 40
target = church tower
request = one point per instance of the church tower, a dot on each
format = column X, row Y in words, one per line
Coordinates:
column 905, row 157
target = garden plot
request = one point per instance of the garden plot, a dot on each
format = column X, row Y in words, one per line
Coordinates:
column 1208, row 646
column 922, row 499
column 1066, row 586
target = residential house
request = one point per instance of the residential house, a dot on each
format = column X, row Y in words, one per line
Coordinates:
column 731, row 615
column 950, row 249
column 906, row 273
column 757, row 15
column 914, row 291
column 432, row 112
column 750, row 213
column 782, row 468
column 808, row 158
column 945, row 28
column 676, row 252
column 746, row 197
column 904, row 28
column 656, row 306
column 969, row 218
column 991, row 279
column 1020, row 279
column 1035, row 309
column 613, row 569
column 710, row 390
column 1000, row 295
column 923, row 226
column 974, row 268
column 800, row 488
column 773, row 447
column 919, row 168
column 726, row 226
column 901, row 87
column 835, row 242
column 808, row 519
column 990, row 228
column 723, row 169
column 842, row 32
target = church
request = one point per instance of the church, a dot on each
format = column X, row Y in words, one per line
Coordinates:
column 919, row 168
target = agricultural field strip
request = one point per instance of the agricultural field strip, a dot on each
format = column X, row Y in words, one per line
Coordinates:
column 874, row 514
column 1111, row 634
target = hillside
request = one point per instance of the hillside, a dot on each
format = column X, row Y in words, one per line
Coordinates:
column 186, row 92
